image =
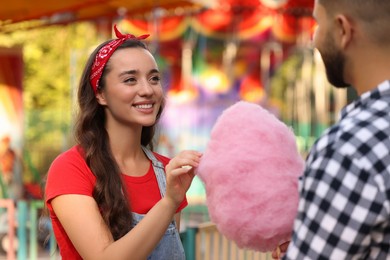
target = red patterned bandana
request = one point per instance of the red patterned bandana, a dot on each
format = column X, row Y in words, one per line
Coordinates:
column 105, row 53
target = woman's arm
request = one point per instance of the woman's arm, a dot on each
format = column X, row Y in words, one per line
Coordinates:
column 91, row 237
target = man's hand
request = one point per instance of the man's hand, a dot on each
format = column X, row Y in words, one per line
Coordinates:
column 280, row 251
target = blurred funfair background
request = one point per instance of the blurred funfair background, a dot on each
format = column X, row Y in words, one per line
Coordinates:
column 212, row 53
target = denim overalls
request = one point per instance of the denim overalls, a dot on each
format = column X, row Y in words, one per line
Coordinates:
column 170, row 246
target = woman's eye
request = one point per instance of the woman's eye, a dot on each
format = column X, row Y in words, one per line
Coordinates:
column 130, row 80
column 155, row 79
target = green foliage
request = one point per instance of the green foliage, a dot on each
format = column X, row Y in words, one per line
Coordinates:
column 53, row 59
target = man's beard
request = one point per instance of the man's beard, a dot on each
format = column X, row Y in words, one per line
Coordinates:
column 334, row 62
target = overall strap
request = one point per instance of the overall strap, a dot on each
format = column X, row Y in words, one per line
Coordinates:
column 159, row 170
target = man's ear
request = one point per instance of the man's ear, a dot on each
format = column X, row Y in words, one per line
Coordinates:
column 101, row 98
column 344, row 31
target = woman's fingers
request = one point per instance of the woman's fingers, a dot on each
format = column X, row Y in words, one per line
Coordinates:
column 184, row 160
column 180, row 173
column 184, row 164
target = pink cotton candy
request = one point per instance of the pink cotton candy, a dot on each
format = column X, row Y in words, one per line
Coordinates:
column 250, row 169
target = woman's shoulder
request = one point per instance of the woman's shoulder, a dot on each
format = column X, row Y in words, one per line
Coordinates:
column 70, row 165
column 71, row 160
column 73, row 154
column 69, row 174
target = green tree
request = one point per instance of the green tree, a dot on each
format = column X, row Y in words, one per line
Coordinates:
column 53, row 59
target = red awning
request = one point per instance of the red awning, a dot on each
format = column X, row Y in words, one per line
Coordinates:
column 46, row 12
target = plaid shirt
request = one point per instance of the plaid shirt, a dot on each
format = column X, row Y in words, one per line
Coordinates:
column 344, row 207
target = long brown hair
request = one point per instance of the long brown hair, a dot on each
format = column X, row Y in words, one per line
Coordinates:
column 91, row 135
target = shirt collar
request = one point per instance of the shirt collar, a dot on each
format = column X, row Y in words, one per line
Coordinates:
column 383, row 89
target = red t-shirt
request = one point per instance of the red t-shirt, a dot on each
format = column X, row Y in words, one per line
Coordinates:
column 69, row 174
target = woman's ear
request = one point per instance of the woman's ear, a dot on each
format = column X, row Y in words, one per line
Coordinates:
column 101, row 98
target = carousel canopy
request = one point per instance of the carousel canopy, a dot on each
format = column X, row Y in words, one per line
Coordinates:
column 46, row 12
column 25, row 14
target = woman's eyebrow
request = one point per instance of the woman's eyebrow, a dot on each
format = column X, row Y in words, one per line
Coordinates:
column 127, row 72
column 154, row 71
column 133, row 72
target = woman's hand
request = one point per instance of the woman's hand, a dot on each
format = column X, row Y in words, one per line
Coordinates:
column 180, row 172
column 280, row 251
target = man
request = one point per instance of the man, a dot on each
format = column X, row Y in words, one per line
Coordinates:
column 344, row 207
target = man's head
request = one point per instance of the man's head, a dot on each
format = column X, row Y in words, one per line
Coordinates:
column 372, row 15
column 345, row 27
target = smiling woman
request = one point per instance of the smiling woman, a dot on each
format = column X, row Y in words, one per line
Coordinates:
column 133, row 96
column 128, row 198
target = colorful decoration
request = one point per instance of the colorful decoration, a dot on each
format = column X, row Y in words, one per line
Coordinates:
column 167, row 28
column 222, row 23
column 275, row 4
column 214, row 80
column 251, row 89
column 246, row 19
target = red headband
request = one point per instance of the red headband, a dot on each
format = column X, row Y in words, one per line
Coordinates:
column 105, row 53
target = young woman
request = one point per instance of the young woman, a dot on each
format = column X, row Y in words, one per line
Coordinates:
column 110, row 196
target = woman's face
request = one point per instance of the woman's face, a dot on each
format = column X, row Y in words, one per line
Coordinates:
column 133, row 92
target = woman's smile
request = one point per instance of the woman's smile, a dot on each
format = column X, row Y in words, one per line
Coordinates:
column 146, row 108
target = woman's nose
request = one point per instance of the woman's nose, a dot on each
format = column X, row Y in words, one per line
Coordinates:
column 145, row 88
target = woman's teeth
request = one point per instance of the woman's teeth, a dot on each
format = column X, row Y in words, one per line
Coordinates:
column 144, row 106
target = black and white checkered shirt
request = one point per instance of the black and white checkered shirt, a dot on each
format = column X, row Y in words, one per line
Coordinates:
column 344, row 207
